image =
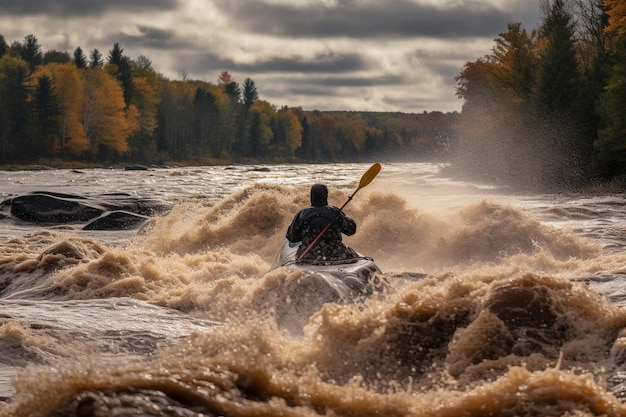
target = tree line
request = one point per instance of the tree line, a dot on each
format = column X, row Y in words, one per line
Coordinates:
column 85, row 107
column 547, row 107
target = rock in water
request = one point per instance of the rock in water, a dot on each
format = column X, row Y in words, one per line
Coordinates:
column 117, row 220
column 116, row 211
column 44, row 208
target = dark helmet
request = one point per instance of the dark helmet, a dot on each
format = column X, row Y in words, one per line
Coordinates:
column 319, row 195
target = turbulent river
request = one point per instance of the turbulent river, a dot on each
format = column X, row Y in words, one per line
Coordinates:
column 497, row 303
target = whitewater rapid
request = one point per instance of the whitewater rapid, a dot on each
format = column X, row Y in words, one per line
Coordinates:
column 500, row 303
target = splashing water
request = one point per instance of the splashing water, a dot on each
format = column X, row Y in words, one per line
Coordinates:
column 497, row 304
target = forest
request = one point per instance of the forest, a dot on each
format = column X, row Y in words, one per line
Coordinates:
column 61, row 109
column 545, row 108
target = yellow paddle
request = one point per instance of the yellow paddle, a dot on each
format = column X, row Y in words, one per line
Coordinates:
column 369, row 175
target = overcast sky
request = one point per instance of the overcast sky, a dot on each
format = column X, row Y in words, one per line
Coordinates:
column 368, row 55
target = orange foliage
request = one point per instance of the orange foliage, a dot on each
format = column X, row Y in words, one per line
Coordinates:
column 67, row 84
column 104, row 117
column 617, row 16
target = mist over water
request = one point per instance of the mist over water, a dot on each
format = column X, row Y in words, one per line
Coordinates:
column 496, row 303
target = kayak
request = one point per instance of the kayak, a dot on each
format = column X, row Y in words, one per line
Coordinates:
column 307, row 287
column 352, row 278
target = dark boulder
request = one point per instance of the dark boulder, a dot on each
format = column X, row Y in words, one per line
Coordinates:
column 117, row 220
column 124, row 202
column 44, row 208
column 107, row 212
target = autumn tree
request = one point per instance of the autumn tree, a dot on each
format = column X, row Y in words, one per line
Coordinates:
column 525, row 119
column 261, row 114
column 69, row 88
column 323, row 127
column 286, row 133
column 225, row 79
column 145, row 100
column 350, row 136
column 514, row 63
column 77, row 107
column 104, row 119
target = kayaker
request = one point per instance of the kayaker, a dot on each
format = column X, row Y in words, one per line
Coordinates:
column 309, row 222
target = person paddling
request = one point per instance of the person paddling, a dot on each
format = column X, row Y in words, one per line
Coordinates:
column 309, row 222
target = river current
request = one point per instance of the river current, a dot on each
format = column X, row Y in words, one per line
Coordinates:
column 498, row 303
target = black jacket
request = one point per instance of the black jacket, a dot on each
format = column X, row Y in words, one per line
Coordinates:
column 310, row 221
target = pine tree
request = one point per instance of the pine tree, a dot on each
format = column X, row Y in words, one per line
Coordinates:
column 3, row 45
column 557, row 67
column 46, row 112
column 14, row 109
column 249, row 92
column 122, row 71
column 31, row 52
column 79, row 58
column 95, row 59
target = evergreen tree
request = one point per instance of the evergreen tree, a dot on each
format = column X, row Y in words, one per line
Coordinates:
column 4, row 47
column 46, row 112
column 557, row 84
column 514, row 59
column 233, row 90
column 14, row 109
column 562, row 145
column 249, row 92
column 31, row 52
column 123, row 71
column 95, row 59
column 79, row 58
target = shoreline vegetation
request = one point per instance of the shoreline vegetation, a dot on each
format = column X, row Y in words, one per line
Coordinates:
column 542, row 111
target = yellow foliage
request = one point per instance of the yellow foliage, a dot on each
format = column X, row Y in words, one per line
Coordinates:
column 146, row 100
column 68, row 86
column 104, row 117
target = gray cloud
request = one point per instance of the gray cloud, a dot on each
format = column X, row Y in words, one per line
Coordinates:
column 73, row 8
column 321, row 63
column 378, row 55
column 147, row 37
column 352, row 81
column 395, row 18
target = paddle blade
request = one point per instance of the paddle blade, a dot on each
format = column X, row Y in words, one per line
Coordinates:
column 369, row 175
